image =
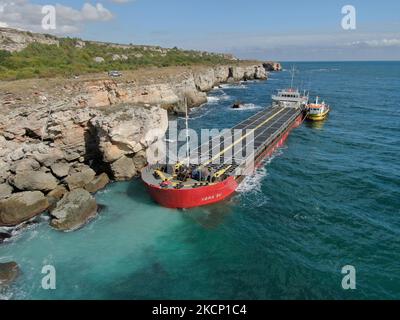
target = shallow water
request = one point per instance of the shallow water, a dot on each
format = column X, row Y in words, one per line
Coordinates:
column 328, row 198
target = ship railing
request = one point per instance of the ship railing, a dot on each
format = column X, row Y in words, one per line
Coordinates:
column 281, row 129
column 243, row 162
column 271, row 138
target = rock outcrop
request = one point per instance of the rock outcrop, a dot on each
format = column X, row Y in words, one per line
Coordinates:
column 272, row 66
column 190, row 86
column 9, row 271
column 102, row 129
column 22, row 206
column 16, row 40
column 56, row 195
column 74, row 210
column 80, row 178
column 5, row 190
column 97, row 183
column 125, row 133
column 34, row 180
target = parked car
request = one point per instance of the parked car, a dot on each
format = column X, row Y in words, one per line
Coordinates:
column 114, row 73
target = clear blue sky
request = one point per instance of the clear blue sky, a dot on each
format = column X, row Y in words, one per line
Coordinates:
column 283, row 30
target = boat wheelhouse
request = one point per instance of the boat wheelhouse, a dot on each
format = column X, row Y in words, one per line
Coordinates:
column 318, row 111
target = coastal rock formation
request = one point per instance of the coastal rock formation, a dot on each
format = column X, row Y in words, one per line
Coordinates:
column 24, row 165
column 126, row 132
column 80, row 178
column 60, row 169
column 272, row 66
column 74, row 210
column 16, row 40
column 5, row 190
column 98, row 183
column 55, row 195
column 171, row 93
column 9, row 271
column 34, row 180
column 123, row 168
column 89, row 128
column 4, row 236
column 22, row 206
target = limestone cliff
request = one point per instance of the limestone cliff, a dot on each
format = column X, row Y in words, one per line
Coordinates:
column 15, row 40
column 50, row 145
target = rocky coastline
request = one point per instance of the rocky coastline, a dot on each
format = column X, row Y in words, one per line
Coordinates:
column 56, row 152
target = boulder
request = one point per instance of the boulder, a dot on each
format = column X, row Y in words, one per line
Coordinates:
column 4, row 170
column 22, row 206
column 221, row 74
column 205, row 80
column 194, row 99
column 60, row 170
column 9, row 271
column 80, row 179
column 4, row 236
column 34, row 180
column 116, row 57
column 123, row 169
column 71, row 156
column 237, row 105
column 260, row 73
column 98, row 59
column 49, row 157
column 27, row 164
column 55, row 195
column 5, row 190
column 97, row 183
column 112, row 152
column 140, row 160
column 272, row 66
column 74, row 210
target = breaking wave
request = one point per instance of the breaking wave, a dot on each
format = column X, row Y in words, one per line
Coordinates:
column 253, row 183
column 234, row 86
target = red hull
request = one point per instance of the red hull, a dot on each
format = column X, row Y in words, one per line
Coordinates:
column 189, row 198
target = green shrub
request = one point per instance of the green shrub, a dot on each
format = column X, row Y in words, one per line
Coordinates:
column 44, row 61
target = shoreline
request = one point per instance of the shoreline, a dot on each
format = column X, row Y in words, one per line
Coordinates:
column 81, row 149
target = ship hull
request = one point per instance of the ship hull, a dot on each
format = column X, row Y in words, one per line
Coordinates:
column 206, row 195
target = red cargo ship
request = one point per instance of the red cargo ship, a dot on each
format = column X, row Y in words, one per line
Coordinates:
column 185, row 185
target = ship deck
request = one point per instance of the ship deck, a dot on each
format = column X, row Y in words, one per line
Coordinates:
column 247, row 139
column 232, row 150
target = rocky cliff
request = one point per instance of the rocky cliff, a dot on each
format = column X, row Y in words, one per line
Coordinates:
column 190, row 86
column 76, row 137
column 15, row 40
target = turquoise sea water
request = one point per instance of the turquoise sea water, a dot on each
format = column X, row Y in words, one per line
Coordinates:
column 329, row 198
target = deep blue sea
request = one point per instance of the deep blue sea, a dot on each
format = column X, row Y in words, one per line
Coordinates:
column 329, row 198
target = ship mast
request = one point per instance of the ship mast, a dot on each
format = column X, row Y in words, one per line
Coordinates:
column 291, row 83
column 187, row 129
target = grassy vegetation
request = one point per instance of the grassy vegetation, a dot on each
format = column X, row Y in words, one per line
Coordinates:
column 43, row 61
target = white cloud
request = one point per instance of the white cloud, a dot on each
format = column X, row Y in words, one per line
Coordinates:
column 23, row 14
column 95, row 13
column 377, row 43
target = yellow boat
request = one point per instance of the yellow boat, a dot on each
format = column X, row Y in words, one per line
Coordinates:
column 317, row 111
